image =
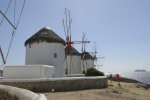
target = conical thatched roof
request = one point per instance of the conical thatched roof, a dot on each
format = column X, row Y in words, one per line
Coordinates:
column 87, row 55
column 45, row 35
column 73, row 51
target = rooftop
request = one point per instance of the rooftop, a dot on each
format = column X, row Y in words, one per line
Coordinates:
column 72, row 51
column 87, row 55
column 45, row 35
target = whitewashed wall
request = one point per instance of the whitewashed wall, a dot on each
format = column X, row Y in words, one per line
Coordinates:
column 75, row 64
column 43, row 53
column 21, row 94
column 88, row 63
column 28, row 71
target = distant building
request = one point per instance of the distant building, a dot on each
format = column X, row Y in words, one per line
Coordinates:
column 73, row 61
column 47, row 48
column 87, row 61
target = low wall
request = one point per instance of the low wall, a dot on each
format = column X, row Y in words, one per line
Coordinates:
column 59, row 84
column 4, row 95
column 13, row 93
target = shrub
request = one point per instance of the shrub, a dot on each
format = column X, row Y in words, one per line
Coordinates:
column 93, row 72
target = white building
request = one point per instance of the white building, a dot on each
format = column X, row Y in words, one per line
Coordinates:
column 73, row 61
column 47, row 48
column 28, row 71
column 87, row 61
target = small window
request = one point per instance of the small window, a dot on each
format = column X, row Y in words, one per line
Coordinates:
column 55, row 55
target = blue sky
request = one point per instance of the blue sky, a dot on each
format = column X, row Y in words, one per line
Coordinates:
column 121, row 29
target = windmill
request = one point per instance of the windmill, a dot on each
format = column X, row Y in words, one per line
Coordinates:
column 83, row 50
column 13, row 24
column 67, row 21
column 95, row 56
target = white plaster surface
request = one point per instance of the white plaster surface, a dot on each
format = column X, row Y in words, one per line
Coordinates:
column 75, row 67
column 88, row 63
column 43, row 53
column 28, row 71
column 22, row 94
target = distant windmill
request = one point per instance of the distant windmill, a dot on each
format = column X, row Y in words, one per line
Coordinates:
column 68, row 34
column 83, row 50
column 95, row 56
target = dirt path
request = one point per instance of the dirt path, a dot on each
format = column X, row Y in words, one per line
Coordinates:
column 127, row 91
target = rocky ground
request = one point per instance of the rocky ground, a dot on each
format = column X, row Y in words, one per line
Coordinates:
column 127, row 91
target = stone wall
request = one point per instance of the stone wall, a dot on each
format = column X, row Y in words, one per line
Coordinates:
column 61, row 84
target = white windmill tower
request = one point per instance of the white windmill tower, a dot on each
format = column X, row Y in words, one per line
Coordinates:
column 47, row 48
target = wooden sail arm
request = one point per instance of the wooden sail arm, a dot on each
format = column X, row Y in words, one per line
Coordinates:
column 2, row 56
column 7, row 19
column 77, row 42
column 81, row 41
column 98, row 65
column 100, row 57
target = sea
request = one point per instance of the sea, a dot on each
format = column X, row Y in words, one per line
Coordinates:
column 143, row 77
